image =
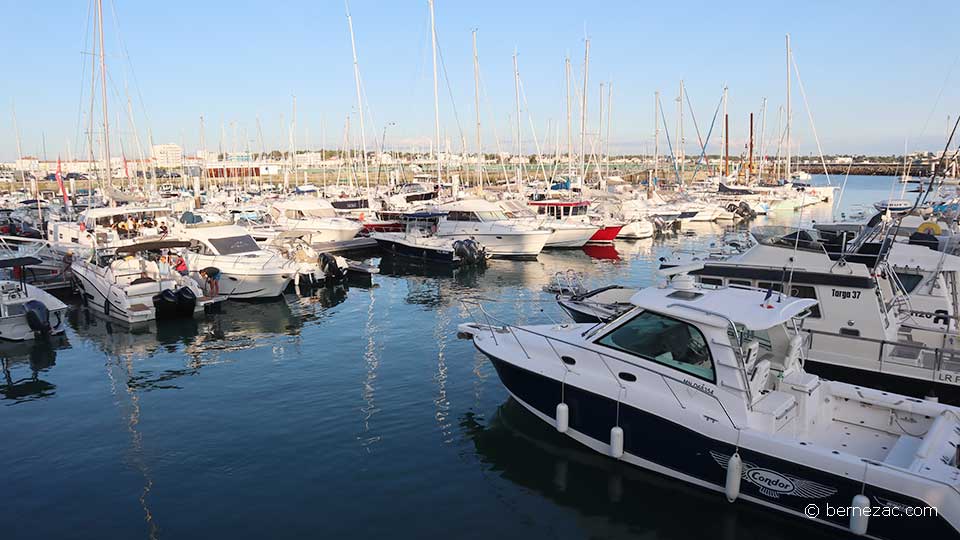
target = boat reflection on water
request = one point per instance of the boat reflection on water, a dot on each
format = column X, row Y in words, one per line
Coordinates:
column 611, row 498
column 604, row 252
column 23, row 363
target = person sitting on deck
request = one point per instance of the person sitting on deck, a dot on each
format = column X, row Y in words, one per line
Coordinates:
column 181, row 266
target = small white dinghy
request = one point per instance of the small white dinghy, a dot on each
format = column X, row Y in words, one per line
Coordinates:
column 27, row 312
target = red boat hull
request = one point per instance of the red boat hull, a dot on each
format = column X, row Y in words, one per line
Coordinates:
column 382, row 226
column 605, row 235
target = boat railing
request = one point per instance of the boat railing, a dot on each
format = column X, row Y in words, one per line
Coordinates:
column 915, row 360
column 470, row 303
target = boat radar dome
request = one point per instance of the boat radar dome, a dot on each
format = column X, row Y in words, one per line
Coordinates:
column 679, row 276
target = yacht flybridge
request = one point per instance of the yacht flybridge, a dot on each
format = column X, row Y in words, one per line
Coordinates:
column 707, row 385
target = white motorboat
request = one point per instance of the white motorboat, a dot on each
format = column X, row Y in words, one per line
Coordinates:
column 123, row 284
column 483, row 221
column 637, row 230
column 27, row 312
column 708, row 386
column 564, row 233
column 315, row 217
column 246, row 270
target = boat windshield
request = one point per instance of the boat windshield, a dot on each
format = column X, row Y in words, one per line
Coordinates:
column 235, row 245
column 492, row 215
column 807, row 239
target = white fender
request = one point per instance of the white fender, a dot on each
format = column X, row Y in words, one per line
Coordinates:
column 734, row 475
column 616, row 442
column 859, row 519
column 563, row 417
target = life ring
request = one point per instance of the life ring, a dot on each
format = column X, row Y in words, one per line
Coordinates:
column 929, row 227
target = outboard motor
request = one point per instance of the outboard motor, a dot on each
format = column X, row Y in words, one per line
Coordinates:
column 186, row 302
column 469, row 251
column 165, row 304
column 330, row 267
column 38, row 317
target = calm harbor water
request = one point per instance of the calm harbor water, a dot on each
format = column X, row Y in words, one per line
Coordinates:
column 353, row 411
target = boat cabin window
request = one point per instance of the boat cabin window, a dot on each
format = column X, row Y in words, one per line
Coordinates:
column 740, row 282
column 491, row 215
column 909, row 281
column 235, row 245
column 457, row 215
column 664, row 340
column 711, row 281
column 804, row 291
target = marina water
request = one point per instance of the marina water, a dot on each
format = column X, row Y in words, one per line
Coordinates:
column 346, row 412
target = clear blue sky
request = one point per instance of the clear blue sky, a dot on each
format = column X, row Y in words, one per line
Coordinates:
column 872, row 70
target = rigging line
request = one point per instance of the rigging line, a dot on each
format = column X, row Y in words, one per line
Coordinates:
column 666, row 131
column 533, row 129
column 703, row 150
column 83, row 70
column 813, row 126
column 493, row 123
column 694, row 117
column 936, row 101
column 126, row 55
column 453, row 103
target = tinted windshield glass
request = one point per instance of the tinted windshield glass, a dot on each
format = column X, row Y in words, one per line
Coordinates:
column 492, row 216
column 234, row 245
column 664, row 340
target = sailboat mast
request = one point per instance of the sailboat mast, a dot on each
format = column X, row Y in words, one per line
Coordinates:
column 789, row 111
column 680, row 138
column 16, row 131
column 103, row 89
column 656, row 132
column 476, row 99
column 356, row 77
column 516, row 85
column 569, row 120
column 436, row 98
column 763, row 140
column 583, row 108
column 609, row 109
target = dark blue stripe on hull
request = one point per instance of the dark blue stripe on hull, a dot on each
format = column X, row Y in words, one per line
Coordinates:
column 688, row 452
column 403, row 250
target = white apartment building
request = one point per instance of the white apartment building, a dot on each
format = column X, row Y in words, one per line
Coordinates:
column 167, row 155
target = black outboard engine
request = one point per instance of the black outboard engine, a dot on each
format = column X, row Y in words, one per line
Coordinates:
column 165, row 304
column 470, row 251
column 330, row 267
column 38, row 317
column 186, row 302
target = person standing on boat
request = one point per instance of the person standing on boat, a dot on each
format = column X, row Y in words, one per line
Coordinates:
column 212, row 275
column 181, row 266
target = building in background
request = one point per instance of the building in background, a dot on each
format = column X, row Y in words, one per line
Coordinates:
column 167, row 155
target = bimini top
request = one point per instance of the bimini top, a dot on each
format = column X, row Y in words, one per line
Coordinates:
column 96, row 213
column 302, row 204
column 715, row 306
column 19, row 261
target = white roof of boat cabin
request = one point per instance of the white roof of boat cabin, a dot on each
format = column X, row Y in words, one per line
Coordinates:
column 743, row 306
column 470, row 205
column 206, row 232
column 121, row 211
column 302, row 204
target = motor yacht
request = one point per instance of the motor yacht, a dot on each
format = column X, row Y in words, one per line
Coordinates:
column 708, row 385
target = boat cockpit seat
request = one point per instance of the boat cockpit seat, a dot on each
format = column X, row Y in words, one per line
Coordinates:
column 792, row 360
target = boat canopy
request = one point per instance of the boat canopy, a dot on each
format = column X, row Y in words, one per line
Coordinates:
column 153, row 246
column 19, row 261
column 753, row 308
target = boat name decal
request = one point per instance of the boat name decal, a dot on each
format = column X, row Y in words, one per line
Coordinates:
column 845, row 295
column 774, row 484
column 698, row 386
